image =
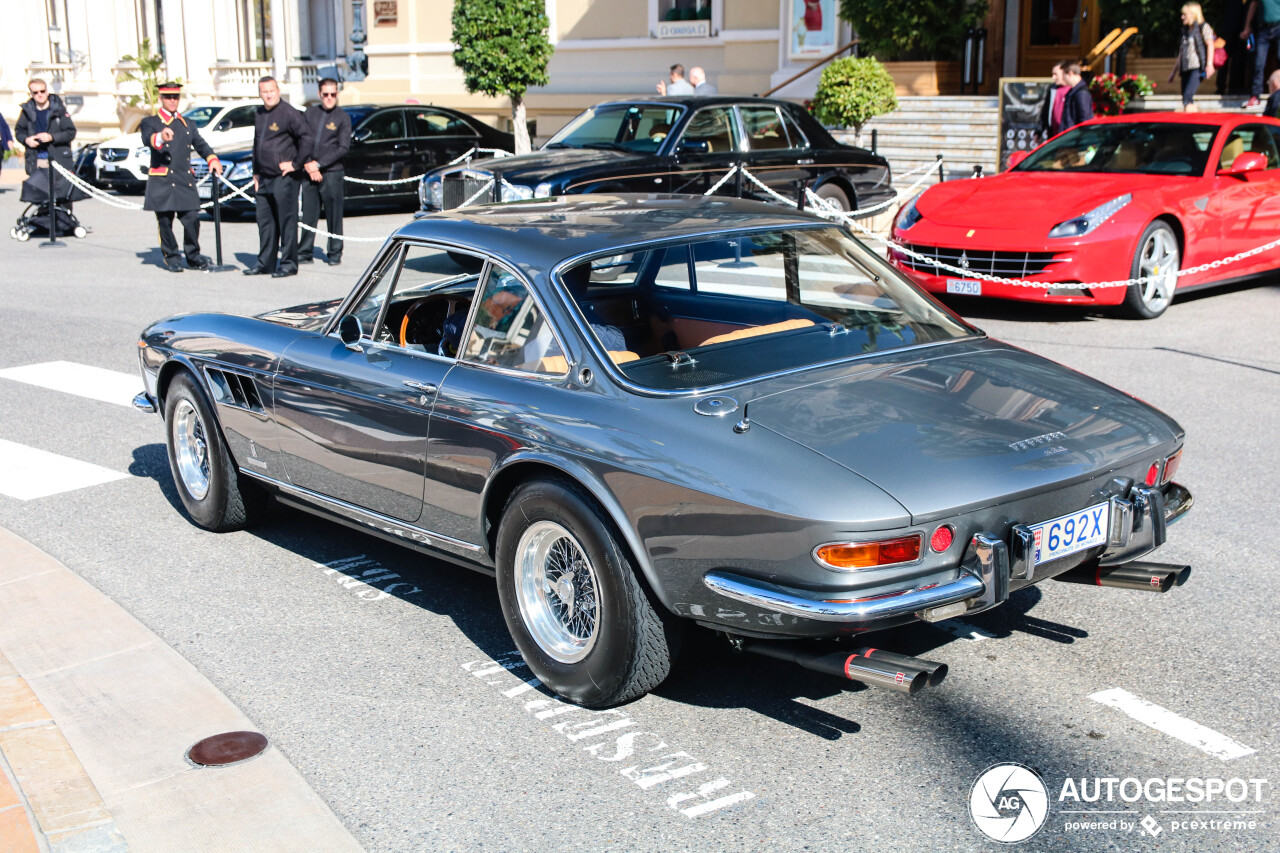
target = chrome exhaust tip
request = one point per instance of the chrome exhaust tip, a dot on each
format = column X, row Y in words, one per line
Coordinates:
column 1150, row 577
column 875, row 667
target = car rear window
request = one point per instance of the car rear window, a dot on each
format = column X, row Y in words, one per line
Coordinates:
column 725, row 309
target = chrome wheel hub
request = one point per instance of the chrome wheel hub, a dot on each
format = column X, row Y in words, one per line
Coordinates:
column 1158, row 260
column 191, row 449
column 557, row 591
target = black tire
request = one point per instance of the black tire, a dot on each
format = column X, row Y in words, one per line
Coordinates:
column 624, row 645
column 207, row 481
column 1148, row 301
column 835, row 195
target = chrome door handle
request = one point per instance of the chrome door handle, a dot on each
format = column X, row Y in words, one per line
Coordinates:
column 424, row 387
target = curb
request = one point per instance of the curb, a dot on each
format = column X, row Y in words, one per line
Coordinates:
column 96, row 716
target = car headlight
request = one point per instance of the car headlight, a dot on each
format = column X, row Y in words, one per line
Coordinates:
column 515, row 192
column 1083, row 224
column 542, row 190
column 909, row 216
column 240, row 171
column 431, row 193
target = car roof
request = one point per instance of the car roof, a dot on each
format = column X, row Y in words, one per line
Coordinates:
column 541, row 233
column 1221, row 119
column 698, row 100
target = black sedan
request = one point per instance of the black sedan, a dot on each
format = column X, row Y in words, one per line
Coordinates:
column 641, row 412
column 676, row 145
column 387, row 144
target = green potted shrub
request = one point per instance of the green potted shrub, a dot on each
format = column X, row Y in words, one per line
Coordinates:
column 851, row 92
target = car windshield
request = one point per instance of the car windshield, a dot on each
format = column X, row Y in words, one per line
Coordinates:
column 200, row 116
column 1145, row 148
column 358, row 114
column 623, row 127
column 721, row 310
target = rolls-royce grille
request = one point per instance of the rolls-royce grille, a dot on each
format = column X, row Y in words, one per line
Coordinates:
column 112, row 155
column 458, row 188
column 1006, row 264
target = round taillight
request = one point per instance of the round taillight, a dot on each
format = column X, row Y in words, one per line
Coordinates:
column 942, row 538
column 1153, row 473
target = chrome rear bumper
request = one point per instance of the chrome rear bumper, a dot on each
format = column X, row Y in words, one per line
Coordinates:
column 1139, row 525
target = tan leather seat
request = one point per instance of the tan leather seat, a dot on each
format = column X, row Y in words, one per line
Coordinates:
column 754, row 331
column 558, row 365
column 1233, row 149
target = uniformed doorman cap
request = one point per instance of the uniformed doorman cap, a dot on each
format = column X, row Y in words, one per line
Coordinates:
column 170, row 88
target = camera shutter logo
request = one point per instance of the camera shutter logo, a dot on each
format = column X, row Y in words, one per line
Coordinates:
column 1009, row 802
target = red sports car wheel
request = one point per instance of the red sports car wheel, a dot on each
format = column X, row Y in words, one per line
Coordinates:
column 1157, row 259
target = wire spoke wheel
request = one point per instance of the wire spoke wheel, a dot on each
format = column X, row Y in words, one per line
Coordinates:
column 558, row 592
column 191, row 448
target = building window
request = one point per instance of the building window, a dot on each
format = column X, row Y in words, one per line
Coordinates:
column 683, row 18
column 256, row 15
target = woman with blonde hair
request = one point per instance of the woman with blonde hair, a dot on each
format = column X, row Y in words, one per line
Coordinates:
column 1195, row 54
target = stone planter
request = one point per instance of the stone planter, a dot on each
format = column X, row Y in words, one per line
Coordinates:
column 925, row 77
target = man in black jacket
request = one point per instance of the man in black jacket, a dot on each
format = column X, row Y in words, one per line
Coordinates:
column 281, row 143
column 331, row 127
column 1079, row 103
column 45, row 128
column 171, row 185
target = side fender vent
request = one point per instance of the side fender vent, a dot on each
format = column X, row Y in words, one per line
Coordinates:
column 235, row 389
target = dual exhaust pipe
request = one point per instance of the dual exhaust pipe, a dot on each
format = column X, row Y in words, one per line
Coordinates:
column 876, row 667
column 1152, row 577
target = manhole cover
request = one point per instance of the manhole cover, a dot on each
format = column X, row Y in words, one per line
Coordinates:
column 227, row 748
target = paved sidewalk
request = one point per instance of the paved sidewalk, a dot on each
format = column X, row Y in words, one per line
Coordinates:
column 96, row 716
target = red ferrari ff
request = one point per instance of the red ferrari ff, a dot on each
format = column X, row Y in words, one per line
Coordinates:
column 1110, row 200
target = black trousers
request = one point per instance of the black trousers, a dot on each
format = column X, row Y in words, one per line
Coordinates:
column 190, row 220
column 329, row 191
column 276, row 209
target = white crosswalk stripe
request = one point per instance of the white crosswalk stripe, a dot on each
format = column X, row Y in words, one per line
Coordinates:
column 96, row 383
column 27, row 473
column 1167, row 722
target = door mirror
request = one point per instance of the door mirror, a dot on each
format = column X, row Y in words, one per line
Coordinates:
column 349, row 332
column 361, row 135
column 223, row 126
column 694, row 146
column 1249, row 161
column 1017, row 157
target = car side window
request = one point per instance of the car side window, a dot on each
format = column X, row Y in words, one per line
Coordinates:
column 509, row 329
column 382, row 126
column 428, row 123
column 673, row 271
column 716, row 127
column 239, row 117
column 1250, row 138
column 370, row 307
column 764, row 128
column 795, row 135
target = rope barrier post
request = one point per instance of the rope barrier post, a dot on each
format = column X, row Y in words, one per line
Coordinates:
column 217, row 226
column 801, row 188
column 737, row 181
column 53, row 242
column 941, row 177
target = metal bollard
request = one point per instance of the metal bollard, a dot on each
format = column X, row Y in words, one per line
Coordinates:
column 53, row 242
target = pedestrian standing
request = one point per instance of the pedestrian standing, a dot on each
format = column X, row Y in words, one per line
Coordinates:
column 171, row 184
column 331, row 129
column 675, row 84
column 1077, row 105
column 698, row 80
column 1272, row 108
column 1195, row 54
column 45, row 129
column 6, row 140
column 1051, row 114
column 281, row 143
column 1265, row 35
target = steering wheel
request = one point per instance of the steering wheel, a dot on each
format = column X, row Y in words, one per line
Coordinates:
column 421, row 325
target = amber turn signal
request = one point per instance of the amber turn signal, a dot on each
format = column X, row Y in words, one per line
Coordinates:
column 869, row 555
column 1171, row 467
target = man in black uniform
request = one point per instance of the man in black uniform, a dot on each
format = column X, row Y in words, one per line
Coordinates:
column 331, row 127
column 171, row 185
column 281, row 143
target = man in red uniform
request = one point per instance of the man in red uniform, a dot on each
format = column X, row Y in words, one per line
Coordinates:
column 171, row 185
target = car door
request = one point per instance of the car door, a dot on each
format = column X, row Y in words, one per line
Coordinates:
column 780, row 162
column 709, row 146
column 381, row 150
column 439, row 137
column 235, row 128
column 354, row 420
column 493, row 403
column 1248, row 205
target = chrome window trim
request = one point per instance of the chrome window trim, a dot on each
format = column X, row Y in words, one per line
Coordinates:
column 490, row 263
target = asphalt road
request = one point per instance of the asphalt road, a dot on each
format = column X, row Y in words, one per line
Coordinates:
column 372, row 669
